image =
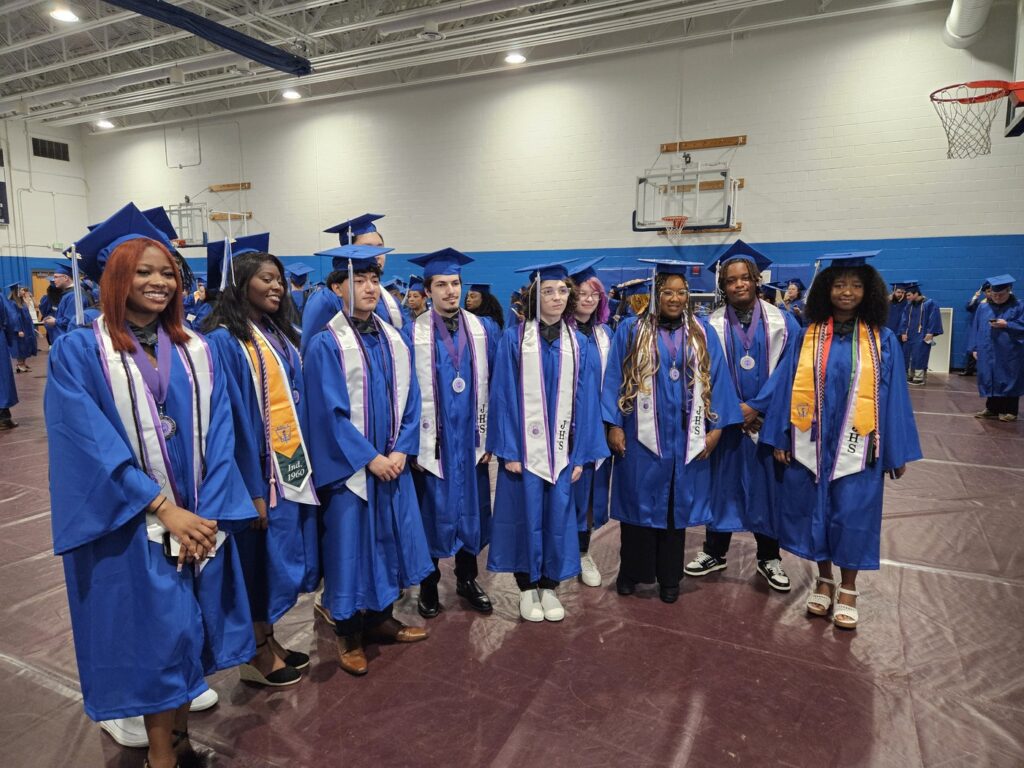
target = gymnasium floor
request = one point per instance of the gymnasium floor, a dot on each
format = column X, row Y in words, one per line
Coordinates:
column 729, row 675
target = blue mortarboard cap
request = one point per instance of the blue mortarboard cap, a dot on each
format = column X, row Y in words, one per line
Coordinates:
column 95, row 248
column 849, row 259
column 395, row 282
column 634, row 287
column 793, row 281
column 63, row 268
column 200, row 277
column 912, row 285
column 480, row 287
column 298, row 269
column 672, row 266
column 360, row 225
column 555, row 270
column 741, row 250
column 585, row 270
column 362, row 256
column 158, row 218
column 251, row 244
column 1000, row 281
column 12, row 286
column 416, row 283
column 447, row 261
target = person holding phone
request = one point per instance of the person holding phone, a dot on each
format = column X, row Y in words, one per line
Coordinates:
column 997, row 344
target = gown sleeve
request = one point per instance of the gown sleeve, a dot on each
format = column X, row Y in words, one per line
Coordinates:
column 408, row 441
column 610, row 411
column 900, row 443
column 724, row 401
column 95, row 485
column 503, row 432
column 776, row 429
column 321, row 306
column 336, row 448
column 589, row 443
column 934, row 324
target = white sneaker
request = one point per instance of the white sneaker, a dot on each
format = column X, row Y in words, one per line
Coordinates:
column 589, row 574
column 553, row 610
column 204, row 701
column 529, row 605
column 127, row 731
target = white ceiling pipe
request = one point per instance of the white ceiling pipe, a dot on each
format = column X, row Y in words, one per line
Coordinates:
column 965, row 22
column 445, row 14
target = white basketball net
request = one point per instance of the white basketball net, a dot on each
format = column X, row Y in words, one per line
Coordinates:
column 967, row 113
column 675, row 228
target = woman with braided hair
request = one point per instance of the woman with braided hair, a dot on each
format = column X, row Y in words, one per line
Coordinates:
column 666, row 398
column 843, row 422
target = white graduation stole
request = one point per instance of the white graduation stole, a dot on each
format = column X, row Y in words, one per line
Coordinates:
column 127, row 386
column 394, row 311
column 304, row 492
column 353, row 365
column 426, row 375
column 546, row 456
column 604, row 344
column 776, row 335
column 646, row 410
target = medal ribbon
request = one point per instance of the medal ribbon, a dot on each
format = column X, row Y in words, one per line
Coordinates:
column 442, row 330
column 157, row 379
column 670, row 340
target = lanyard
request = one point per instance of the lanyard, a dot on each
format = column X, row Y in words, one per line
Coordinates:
column 670, row 340
column 157, row 379
column 442, row 330
column 746, row 336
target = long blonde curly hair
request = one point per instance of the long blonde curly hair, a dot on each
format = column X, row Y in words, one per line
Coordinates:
column 642, row 360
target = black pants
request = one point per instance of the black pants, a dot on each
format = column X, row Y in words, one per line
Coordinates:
column 652, row 554
column 716, row 544
column 970, row 365
column 465, row 570
column 361, row 621
column 1003, row 405
column 524, row 583
column 585, row 541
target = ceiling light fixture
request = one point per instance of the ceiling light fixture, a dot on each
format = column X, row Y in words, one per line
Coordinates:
column 291, row 94
column 515, row 58
column 63, row 13
column 104, row 124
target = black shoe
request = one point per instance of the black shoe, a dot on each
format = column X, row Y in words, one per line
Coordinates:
column 624, row 586
column 428, row 605
column 474, row 594
column 7, row 424
column 669, row 594
column 296, row 659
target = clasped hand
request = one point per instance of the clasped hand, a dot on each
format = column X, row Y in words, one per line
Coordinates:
column 387, row 468
column 196, row 535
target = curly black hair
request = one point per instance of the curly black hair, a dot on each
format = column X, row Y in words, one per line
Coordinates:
column 489, row 307
column 755, row 275
column 530, row 299
column 873, row 309
column 232, row 309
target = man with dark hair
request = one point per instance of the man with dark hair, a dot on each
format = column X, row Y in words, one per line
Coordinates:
column 921, row 324
column 365, row 401
column 998, row 346
column 416, row 297
column 454, row 353
column 980, row 296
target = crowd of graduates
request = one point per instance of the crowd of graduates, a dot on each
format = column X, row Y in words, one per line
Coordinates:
column 215, row 454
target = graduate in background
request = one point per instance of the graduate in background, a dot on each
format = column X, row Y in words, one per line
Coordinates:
column 364, row 399
column 757, row 338
column 482, row 303
column 666, row 399
column 256, row 348
column 545, row 425
column 48, row 308
column 8, row 390
column 415, row 297
column 63, row 318
column 634, row 298
column 590, row 492
column 793, row 299
column 20, row 318
column 363, row 231
column 897, row 308
column 997, row 344
column 838, row 423
column 980, row 296
column 298, row 275
column 453, row 355
column 921, row 323
column 197, row 308
column 144, row 494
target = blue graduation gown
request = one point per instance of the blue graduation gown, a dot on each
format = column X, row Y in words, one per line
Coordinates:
column 8, row 335
column 282, row 561
column 744, row 472
column 643, row 483
column 299, row 300
column 920, row 318
column 196, row 314
column 145, row 635
column 897, row 311
column 456, row 510
column 1000, row 350
column 590, row 492
column 534, row 529
column 21, row 320
column 369, row 549
column 840, row 521
column 64, row 315
column 795, row 310
column 321, row 306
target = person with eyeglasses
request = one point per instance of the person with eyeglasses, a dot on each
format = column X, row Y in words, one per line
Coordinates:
column 545, row 426
column 997, row 344
column 666, row 399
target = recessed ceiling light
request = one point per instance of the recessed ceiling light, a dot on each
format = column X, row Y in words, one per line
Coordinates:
column 291, row 94
column 515, row 58
column 104, row 123
column 64, row 14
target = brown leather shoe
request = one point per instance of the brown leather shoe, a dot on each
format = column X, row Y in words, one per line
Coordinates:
column 394, row 631
column 350, row 654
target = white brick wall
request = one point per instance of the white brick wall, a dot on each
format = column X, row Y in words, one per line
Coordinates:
column 843, row 143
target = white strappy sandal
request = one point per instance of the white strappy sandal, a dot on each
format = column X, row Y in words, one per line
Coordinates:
column 845, row 616
column 817, row 603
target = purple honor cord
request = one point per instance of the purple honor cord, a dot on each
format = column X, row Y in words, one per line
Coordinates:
column 670, row 340
column 746, row 336
column 442, row 331
column 157, row 379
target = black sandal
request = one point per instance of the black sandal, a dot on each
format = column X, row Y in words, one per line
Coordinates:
column 294, row 659
column 279, row 678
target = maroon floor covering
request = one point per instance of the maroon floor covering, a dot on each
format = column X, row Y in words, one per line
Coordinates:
column 732, row 674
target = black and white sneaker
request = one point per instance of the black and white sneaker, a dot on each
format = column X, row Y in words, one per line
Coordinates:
column 704, row 564
column 774, row 574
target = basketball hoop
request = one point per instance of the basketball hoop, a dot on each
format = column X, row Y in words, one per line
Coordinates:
column 967, row 111
column 675, row 226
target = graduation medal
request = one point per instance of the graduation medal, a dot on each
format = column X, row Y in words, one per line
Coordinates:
column 673, row 373
column 459, row 385
column 295, row 396
column 167, row 425
column 747, row 363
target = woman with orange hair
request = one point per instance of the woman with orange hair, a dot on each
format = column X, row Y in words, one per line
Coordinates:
column 144, row 492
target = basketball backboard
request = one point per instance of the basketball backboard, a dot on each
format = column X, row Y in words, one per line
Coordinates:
column 705, row 193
